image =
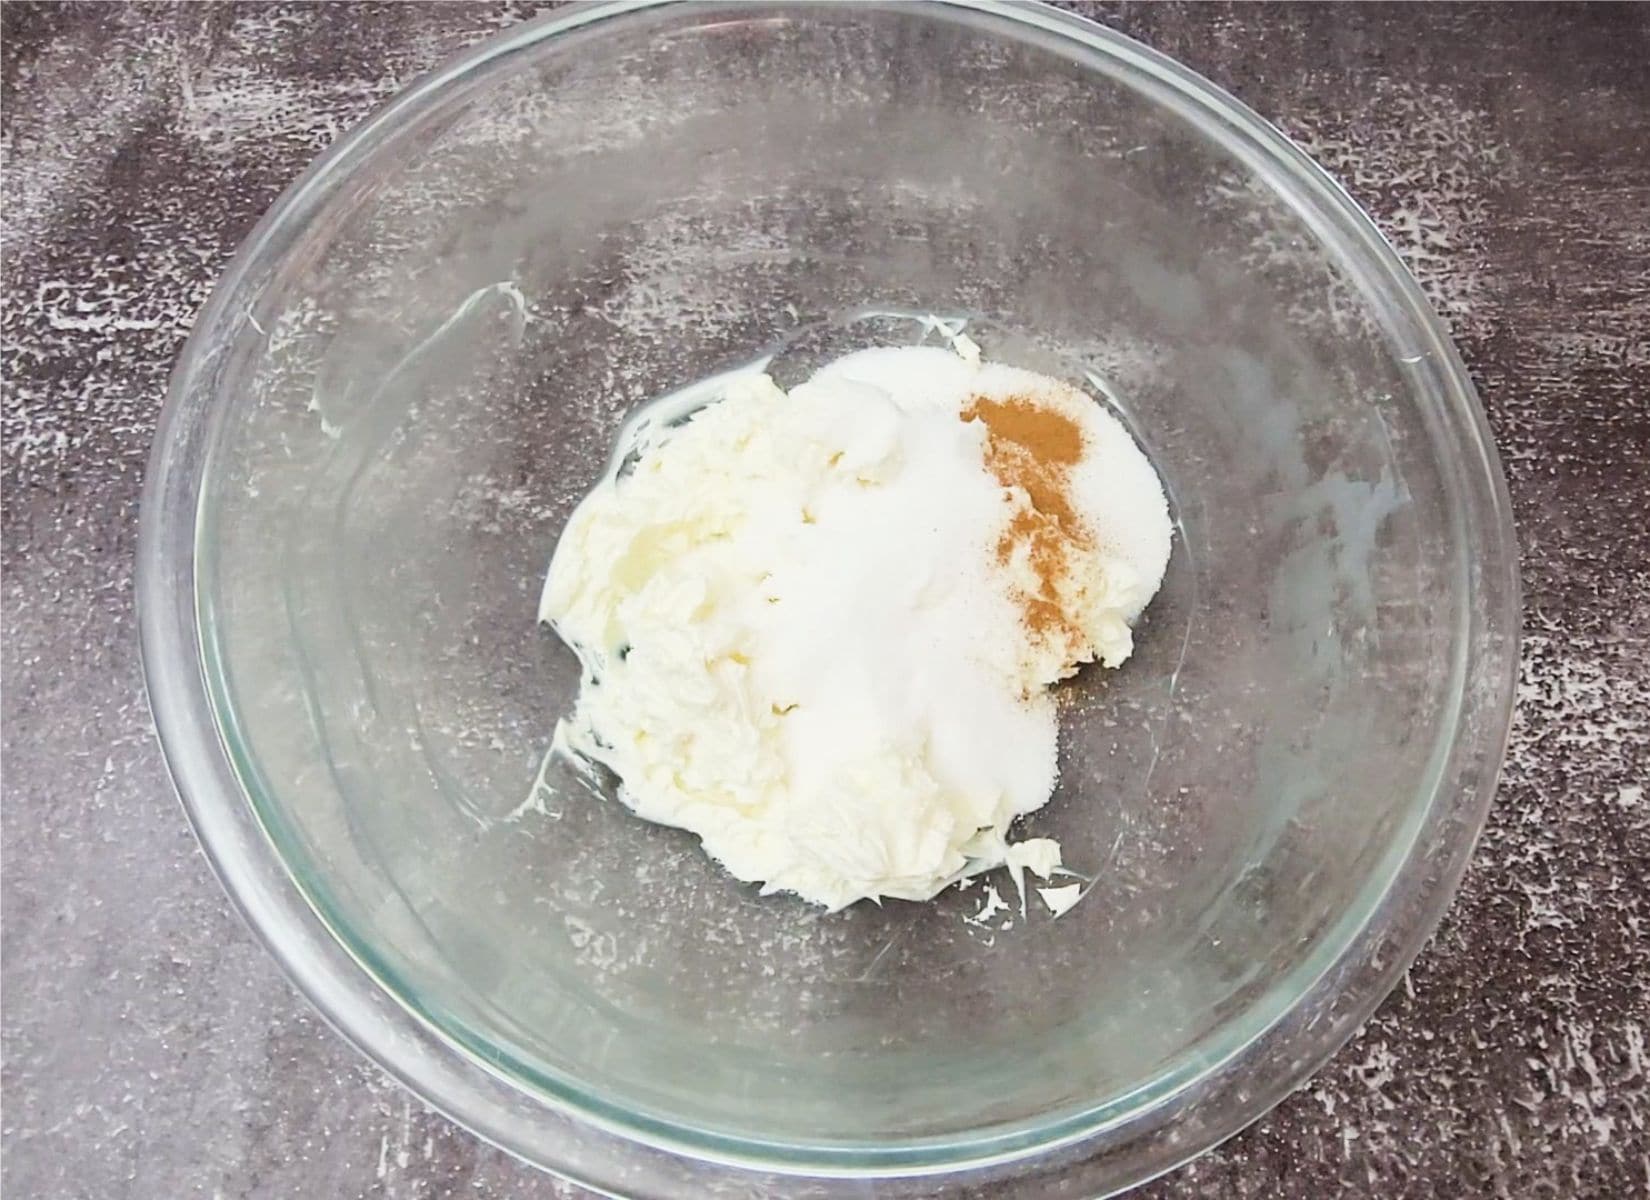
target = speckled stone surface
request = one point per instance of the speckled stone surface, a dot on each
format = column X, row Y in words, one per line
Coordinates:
column 152, row 1049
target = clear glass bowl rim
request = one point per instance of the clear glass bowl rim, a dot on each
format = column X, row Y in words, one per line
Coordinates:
column 590, row 1148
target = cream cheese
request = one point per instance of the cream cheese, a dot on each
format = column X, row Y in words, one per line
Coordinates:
column 804, row 628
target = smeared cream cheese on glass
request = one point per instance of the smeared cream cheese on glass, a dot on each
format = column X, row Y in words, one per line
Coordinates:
column 818, row 628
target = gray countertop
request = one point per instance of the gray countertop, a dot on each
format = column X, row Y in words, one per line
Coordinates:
column 151, row 1047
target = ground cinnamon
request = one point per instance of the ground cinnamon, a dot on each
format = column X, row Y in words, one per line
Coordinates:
column 1033, row 448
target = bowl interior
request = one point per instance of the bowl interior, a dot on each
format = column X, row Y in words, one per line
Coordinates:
column 430, row 377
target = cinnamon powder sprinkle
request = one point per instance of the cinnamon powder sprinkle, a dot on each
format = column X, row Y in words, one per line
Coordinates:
column 1033, row 448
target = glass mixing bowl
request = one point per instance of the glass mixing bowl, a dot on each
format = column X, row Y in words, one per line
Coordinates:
column 416, row 365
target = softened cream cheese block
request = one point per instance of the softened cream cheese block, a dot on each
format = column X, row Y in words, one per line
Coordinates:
column 818, row 628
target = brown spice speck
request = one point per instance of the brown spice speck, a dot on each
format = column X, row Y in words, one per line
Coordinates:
column 1033, row 448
